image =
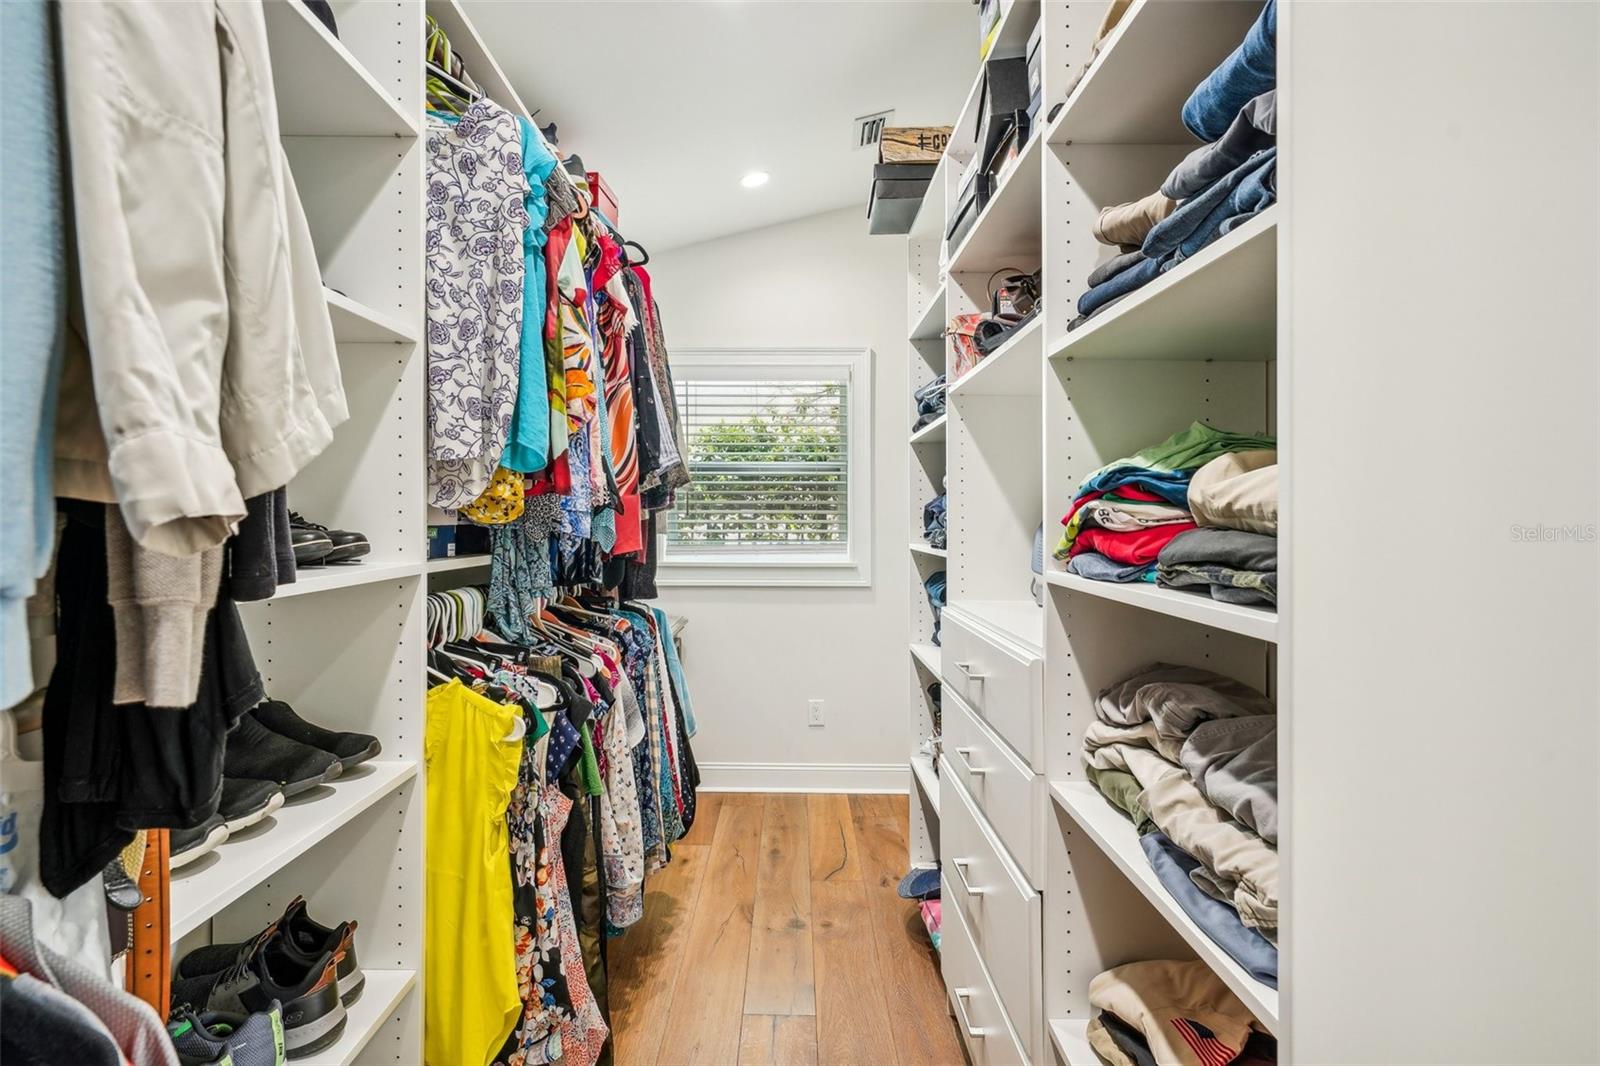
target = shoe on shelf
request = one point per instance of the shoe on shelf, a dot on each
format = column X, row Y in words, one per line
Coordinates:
column 187, row 845
column 212, row 1038
column 304, row 940
column 264, row 974
column 256, row 752
column 351, row 749
column 310, row 546
column 344, row 545
column 247, row 800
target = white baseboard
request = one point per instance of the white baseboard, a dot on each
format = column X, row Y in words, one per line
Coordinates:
column 804, row 777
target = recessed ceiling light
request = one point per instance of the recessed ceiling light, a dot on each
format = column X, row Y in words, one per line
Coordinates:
column 755, row 179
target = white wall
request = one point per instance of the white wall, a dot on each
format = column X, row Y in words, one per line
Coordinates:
column 755, row 656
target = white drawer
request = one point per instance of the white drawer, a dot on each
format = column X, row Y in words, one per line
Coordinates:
column 1001, row 908
column 1004, row 788
column 979, row 1016
column 1000, row 680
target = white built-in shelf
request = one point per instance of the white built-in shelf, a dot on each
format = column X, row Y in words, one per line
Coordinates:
column 367, row 571
column 1016, row 24
column 356, row 323
column 1006, row 233
column 1192, row 606
column 1021, row 620
column 1071, row 1038
column 1016, row 368
column 928, row 655
column 930, row 324
column 932, row 433
column 331, row 94
column 924, row 548
column 457, row 562
column 927, row 778
column 1221, row 303
column 204, row 887
column 1114, row 834
column 1146, row 69
column 380, row 996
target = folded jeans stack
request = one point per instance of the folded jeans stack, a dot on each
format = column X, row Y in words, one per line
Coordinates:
column 1218, row 187
column 930, row 402
column 1175, row 1014
column 1127, row 513
column 934, row 522
column 1191, row 757
column 1234, row 555
column 935, row 587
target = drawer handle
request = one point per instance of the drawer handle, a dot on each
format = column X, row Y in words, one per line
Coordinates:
column 966, row 668
column 966, row 759
column 962, row 995
column 961, row 875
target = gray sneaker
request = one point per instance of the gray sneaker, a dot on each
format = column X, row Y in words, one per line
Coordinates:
column 216, row 1038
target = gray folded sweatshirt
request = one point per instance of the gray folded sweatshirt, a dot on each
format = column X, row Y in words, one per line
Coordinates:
column 159, row 604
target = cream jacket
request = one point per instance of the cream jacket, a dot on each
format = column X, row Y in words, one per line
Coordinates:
column 204, row 369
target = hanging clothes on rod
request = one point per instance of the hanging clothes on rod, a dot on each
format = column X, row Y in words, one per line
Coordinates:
column 605, row 784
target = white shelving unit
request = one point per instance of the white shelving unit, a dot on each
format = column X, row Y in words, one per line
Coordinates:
column 1022, row 429
column 344, row 644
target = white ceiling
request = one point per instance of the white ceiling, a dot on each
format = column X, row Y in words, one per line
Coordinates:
column 674, row 101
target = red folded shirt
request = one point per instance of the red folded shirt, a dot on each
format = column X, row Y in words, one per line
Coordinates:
column 1137, row 547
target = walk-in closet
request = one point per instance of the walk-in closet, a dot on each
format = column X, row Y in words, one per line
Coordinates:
column 799, row 532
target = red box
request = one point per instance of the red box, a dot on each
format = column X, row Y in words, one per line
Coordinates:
column 604, row 198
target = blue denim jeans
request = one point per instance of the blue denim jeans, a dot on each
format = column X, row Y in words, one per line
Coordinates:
column 1248, row 188
column 1250, row 70
column 1216, row 919
column 1119, row 284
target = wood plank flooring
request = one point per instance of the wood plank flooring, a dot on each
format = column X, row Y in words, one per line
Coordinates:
column 775, row 938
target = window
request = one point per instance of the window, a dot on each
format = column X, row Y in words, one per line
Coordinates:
column 778, row 444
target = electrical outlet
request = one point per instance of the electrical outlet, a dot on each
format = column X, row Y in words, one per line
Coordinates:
column 814, row 713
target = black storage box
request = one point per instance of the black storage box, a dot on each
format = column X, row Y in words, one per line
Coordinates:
column 897, row 193
column 1005, row 93
column 969, row 206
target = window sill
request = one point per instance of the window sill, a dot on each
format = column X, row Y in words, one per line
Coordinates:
column 763, row 573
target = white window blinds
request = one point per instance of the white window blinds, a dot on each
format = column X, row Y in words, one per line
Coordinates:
column 771, row 467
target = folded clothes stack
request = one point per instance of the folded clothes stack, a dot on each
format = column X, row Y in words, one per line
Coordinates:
column 1171, row 1013
column 1234, row 554
column 1191, row 757
column 930, row 402
column 1219, row 186
column 934, row 522
column 1127, row 513
column 934, row 586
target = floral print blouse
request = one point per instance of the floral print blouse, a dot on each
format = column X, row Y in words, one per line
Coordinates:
column 476, row 218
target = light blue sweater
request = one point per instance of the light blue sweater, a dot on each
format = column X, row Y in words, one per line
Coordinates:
column 32, row 316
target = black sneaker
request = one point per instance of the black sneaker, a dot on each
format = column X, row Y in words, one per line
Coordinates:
column 345, row 545
column 310, row 546
column 212, row 1038
column 352, row 749
column 187, row 845
column 245, row 801
column 265, row 975
column 254, row 751
column 304, row 940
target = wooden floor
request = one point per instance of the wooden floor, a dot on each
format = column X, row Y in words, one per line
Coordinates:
column 776, row 936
